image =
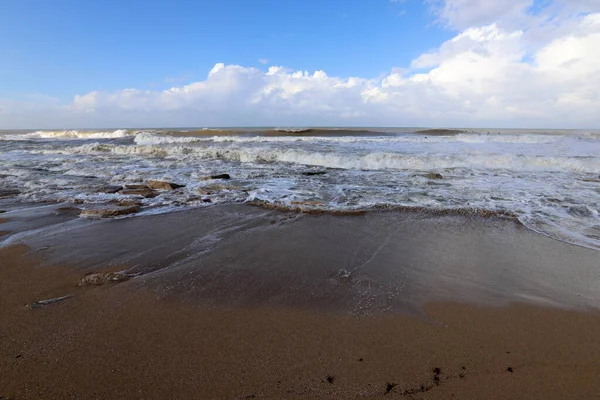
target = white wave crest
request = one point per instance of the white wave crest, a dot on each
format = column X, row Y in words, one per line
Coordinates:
column 149, row 138
column 365, row 161
column 71, row 134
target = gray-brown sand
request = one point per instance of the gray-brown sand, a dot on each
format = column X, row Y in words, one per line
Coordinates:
column 231, row 305
column 109, row 342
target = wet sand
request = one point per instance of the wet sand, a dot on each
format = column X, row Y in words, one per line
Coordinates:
column 239, row 302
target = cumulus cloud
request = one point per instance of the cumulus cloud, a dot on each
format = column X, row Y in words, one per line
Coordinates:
column 539, row 74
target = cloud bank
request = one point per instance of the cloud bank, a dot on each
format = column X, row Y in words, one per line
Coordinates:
column 509, row 65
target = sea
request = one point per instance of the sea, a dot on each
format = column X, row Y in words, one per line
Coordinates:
column 549, row 180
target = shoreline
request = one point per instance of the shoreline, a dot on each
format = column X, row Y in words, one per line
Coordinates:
column 358, row 264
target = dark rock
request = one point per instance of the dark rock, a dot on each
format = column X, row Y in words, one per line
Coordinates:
column 109, row 210
column 128, row 203
column 110, row 189
column 68, row 211
column 144, row 192
column 330, row 379
column 220, row 176
column 313, row 173
column 509, row 369
column 433, row 175
column 2, row 211
column 136, row 186
column 162, row 185
column 100, row 278
column 8, row 193
column 436, row 375
column 389, row 387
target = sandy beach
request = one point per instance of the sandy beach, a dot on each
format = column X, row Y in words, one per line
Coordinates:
column 241, row 302
column 234, row 200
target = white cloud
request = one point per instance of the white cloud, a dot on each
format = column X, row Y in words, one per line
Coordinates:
column 461, row 14
column 539, row 74
column 263, row 61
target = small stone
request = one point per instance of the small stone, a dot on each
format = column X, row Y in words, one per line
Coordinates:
column 162, row 185
column 107, row 211
column 100, row 278
column 43, row 303
column 314, row 173
column 433, row 175
column 389, row 387
column 111, row 189
column 136, row 186
column 9, row 193
column 220, row 176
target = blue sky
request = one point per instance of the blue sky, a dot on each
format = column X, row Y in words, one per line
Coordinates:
column 65, row 48
column 467, row 63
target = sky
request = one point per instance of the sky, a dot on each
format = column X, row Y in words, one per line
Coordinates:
column 431, row 63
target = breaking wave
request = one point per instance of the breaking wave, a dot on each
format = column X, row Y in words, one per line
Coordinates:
column 152, row 138
column 368, row 161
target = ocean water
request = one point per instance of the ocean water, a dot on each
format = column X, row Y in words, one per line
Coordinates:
column 549, row 180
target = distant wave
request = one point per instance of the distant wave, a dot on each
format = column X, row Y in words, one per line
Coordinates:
column 324, row 132
column 71, row 134
column 342, row 135
column 439, row 132
column 152, row 138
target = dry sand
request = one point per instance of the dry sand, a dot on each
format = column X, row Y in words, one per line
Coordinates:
column 131, row 341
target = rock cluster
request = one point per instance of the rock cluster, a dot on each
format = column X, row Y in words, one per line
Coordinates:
column 110, row 210
column 100, row 278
